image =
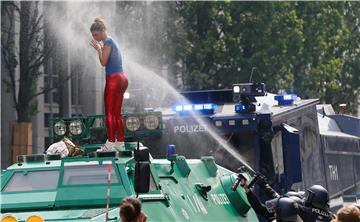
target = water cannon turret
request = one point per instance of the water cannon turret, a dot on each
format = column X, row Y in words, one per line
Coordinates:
column 244, row 94
column 249, row 89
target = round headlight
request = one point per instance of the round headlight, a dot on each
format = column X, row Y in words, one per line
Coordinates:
column 8, row 218
column 151, row 122
column 59, row 128
column 132, row 123
column 76, row 127
column 34, row 218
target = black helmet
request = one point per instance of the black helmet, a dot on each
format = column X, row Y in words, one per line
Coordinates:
column 294, row 193
column 298, row 200
column 287, row 210
column 297, row 197
column 317, row 196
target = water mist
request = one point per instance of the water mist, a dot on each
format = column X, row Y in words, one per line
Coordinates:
column 71, row 29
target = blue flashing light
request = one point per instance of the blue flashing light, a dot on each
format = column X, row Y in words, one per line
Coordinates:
column 207, row 108
column 284, row 100
column 198, row 107
column 245, row 108
column 187, row 107
column 240, row 108
column 171, row 150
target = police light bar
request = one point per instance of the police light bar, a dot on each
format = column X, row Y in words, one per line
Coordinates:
column 249, row 89
column 284, row 100
column 207, row 108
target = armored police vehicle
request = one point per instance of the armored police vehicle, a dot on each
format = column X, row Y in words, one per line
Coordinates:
column 89, row 184
column 276, row 135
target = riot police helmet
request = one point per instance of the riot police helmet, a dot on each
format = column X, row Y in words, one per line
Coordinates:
column 294, row 193
column 287, row 210
column 298, row 200
column 317, row 196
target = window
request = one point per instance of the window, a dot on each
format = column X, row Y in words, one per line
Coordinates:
column 76, row 72
column 50, row 82
column 55, row 97
column 88, row 174
column 33, row 180
column 47, row 98
column 75, row 89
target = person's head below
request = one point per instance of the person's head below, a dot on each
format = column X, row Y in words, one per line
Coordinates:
column 98, row 29
column 349, row 213
column 130, row 210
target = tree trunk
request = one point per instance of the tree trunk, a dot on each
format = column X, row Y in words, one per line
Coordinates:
column 23, row 107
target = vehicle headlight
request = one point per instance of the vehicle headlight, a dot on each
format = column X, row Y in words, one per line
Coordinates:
column 59, row 128
column 8, row 218
column 132, row 123
column 34, row 218
column 76, row 127
column 151, row 122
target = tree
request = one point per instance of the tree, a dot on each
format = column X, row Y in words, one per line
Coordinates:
column 327, row 67
column 222, row 42
column 29, row 56
column 310, row 48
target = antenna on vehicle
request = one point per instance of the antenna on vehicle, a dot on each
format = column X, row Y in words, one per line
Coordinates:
column 252, row 71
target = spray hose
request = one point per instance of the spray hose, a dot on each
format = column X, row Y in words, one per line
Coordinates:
column 260, row 180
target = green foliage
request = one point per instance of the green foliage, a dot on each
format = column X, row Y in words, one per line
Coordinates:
column 310, row 48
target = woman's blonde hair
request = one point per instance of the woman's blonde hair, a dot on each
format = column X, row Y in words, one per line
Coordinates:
column 98, row 25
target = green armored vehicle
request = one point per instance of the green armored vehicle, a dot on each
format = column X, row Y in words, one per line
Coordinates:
column 173, row 188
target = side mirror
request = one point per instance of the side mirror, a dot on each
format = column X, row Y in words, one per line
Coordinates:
column 142, row 177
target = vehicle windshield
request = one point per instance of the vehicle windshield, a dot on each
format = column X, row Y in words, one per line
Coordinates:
column 88, row 174
column 32, row 180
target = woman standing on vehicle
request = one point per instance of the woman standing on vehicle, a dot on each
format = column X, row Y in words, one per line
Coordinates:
column 116, row 83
